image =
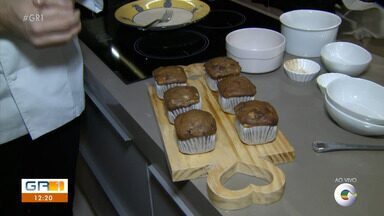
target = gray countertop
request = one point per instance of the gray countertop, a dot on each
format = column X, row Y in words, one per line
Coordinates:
column 311, row 178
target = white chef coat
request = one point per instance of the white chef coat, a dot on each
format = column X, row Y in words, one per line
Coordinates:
column 40, row 89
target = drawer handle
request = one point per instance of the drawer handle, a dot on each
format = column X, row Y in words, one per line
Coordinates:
column 123, row 134
column 170, row 191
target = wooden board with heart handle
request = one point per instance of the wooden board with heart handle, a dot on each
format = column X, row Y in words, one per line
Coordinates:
column 230, row 155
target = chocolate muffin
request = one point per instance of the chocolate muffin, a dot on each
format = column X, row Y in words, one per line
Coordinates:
column 218, row 68
column 167, row 77
column 181, row 99
column 196, row 132
column 234, row 90
column 256, row 122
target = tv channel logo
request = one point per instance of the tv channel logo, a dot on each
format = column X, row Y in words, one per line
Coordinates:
column 44, row 190
column 345, row 194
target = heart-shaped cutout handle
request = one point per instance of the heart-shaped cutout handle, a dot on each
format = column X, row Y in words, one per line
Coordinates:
column 252, row 194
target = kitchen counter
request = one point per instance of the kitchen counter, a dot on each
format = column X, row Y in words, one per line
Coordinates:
column 310, row 180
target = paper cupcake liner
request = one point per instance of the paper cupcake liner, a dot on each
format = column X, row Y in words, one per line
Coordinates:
column 212, row 84
column 256, row 135
column 301, row 77
column 174, row 113
column 197, row 145
column 160, row 89
column 228, row 104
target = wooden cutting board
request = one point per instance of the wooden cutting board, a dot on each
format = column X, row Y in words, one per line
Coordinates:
column 229, row 156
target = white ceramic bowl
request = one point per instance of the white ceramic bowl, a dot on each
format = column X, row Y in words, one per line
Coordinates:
column 324, row 79
column 301, row 70
column 257, row 50
column 353, row 124
column 359, row 98
column 307, row 31
column 346, row 58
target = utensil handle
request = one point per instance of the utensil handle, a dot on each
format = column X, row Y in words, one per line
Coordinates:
column 320, row 147
column 149, row 25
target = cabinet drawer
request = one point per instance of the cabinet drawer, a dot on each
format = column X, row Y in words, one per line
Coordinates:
column 117, row 164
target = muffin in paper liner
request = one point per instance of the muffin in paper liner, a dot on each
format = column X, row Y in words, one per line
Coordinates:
column 174, row 113
column 220, row 67
column 257, row 134
column 211, row 83
column 228, row 104
column 160, row 89
column 197, row 145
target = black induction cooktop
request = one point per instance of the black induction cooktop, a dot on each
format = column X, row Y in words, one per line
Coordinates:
column 133, row 54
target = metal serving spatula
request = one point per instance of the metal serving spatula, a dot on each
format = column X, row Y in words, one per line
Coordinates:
column 320, row 147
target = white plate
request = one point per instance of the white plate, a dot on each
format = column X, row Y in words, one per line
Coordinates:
column 142, row 12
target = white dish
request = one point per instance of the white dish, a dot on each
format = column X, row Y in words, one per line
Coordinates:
column 346, row 58
column 324, row 79
column 359, row 98
column 353, row 124
column 307, row 31
column 257, row 50
column 301, row 70
column 142, row 12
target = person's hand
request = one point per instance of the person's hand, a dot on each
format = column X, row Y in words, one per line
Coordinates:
column 41, row 22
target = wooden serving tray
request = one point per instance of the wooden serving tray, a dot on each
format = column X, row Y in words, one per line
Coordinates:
column 229, row 156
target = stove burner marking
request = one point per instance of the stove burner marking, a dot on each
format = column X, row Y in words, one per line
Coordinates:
column 222, row 19
column 171, row 45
